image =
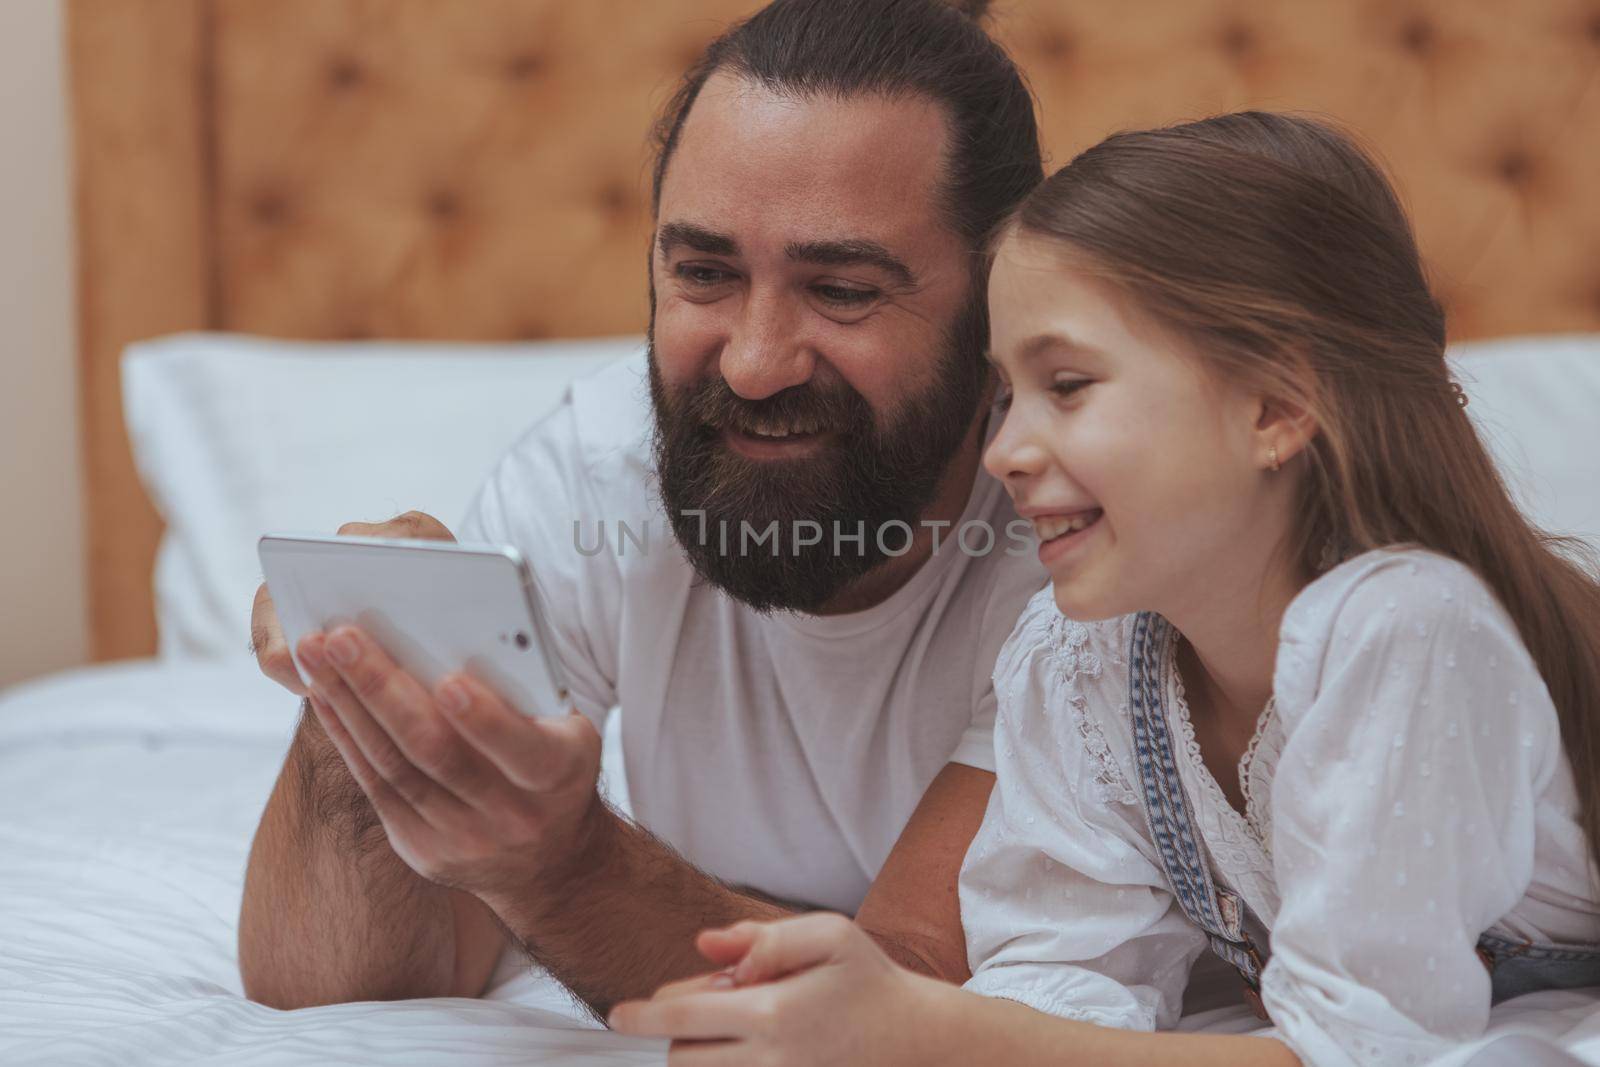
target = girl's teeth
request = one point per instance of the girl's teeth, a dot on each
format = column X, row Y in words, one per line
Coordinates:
column 1054, row 526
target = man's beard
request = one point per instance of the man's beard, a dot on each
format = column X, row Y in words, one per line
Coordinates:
column 863, row 479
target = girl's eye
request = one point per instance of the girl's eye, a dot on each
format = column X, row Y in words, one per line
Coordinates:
column 842, row 297
column 1066, row 388
column 700, row 275
column 1002, row 398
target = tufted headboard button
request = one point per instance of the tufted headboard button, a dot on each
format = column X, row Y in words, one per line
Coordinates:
column 613, row 198
column 1515, row 167
column 1237, row 40
column 1418, row 36
column 269, row 208
column 443, row 205
column 525, row 66
column 345, row 74
column 1054, row 44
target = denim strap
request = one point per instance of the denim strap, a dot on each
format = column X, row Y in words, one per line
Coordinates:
column 1210, row 907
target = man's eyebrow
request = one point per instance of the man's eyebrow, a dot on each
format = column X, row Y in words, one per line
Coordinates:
column 698, row 238
column 852, row 252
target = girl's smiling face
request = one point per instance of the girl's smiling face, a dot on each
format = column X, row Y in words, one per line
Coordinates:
column 1141, row 472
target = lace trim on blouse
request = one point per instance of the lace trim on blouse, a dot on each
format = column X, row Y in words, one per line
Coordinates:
column 1256, row 770
column 1239, row 853
column 1110, row 785
column 1070, row 658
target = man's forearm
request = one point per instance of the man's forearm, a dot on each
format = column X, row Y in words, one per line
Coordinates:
column 330, row 913
column 621, row 920
column 923, row 959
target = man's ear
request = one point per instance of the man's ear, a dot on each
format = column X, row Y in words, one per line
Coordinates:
column 1282, row 425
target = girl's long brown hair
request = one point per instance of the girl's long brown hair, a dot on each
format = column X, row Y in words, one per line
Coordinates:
column 1277, row 246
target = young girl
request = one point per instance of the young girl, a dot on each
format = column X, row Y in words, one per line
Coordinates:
column 1332, row 709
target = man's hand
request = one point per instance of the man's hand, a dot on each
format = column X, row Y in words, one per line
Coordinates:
column 472, row 794
column 266, row 635
column 330, row 912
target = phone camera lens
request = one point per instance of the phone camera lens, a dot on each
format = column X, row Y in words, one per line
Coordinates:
column 522, row 640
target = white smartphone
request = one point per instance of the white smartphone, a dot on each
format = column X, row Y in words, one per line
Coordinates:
column 436, row 607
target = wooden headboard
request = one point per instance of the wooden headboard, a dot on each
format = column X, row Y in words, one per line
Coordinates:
column 476, row 169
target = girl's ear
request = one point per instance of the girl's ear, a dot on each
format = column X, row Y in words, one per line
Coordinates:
column 1283, row 429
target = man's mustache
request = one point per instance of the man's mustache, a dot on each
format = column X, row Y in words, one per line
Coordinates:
column 714, row 404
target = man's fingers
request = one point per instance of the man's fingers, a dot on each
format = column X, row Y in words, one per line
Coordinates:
column 268, row 644
column 429, row 741
column 373, row 677
column 400, row 707
column 412, row 524
column 536, row 754
column 371, row 783
column 420, row 791
column 789, row 945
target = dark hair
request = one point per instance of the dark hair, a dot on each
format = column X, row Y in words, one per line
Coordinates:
column 931, row 48
column 1276, row 247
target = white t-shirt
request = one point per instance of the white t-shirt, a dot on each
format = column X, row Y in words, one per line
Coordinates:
column 1407, row 793
column 782, row 752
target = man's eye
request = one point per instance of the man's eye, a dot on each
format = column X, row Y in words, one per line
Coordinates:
column 840, row 296
column 702, row 276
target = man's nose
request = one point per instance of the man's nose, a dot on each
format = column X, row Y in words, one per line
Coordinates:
column 766, row 353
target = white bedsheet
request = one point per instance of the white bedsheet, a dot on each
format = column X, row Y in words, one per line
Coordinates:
column 128, row 796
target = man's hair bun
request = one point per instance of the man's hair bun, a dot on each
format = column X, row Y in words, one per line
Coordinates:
column 973, row 9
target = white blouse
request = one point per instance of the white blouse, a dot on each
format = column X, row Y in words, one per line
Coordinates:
column 1407, row 793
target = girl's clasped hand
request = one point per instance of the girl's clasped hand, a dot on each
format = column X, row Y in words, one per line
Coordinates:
column 813, row 989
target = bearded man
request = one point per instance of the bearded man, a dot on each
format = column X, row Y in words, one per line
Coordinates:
column 803, row 666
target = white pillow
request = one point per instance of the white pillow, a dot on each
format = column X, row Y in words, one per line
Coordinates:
column 1536, row 403
column 234, row 436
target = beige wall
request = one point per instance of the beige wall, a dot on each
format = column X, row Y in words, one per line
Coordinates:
column 42, row 614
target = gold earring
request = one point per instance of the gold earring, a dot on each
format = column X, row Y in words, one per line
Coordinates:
column 1272, row 457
